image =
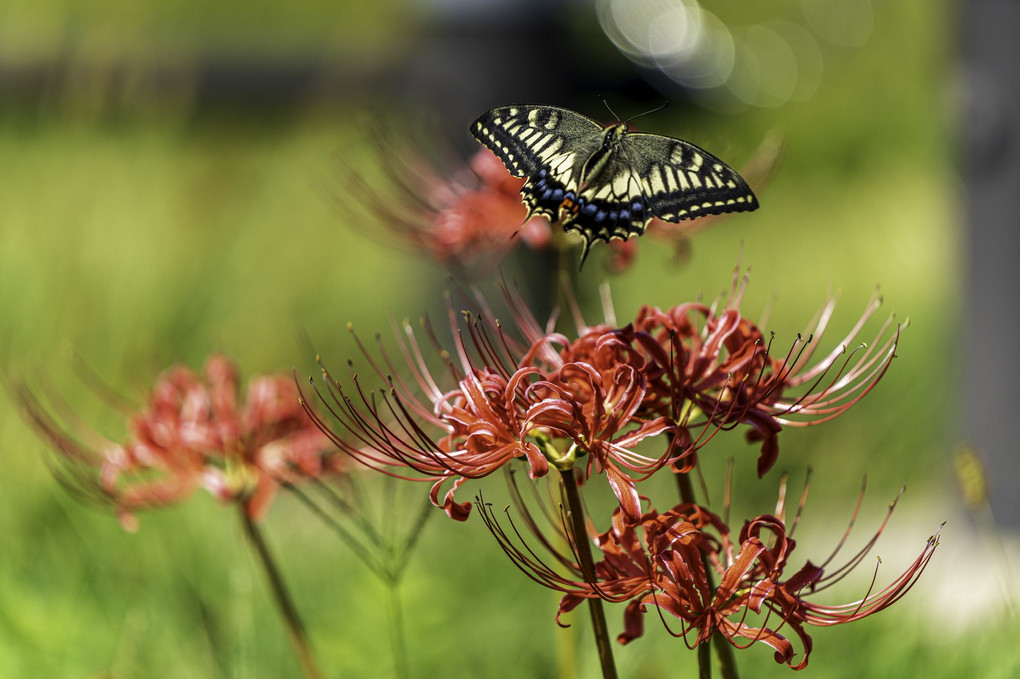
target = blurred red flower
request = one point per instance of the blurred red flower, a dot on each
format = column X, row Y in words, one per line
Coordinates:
column 191, row 432
column 467, row 218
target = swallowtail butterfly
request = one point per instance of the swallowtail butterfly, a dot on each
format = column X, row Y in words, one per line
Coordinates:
column 603, row 181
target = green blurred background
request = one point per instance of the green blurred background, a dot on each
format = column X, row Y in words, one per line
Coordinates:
column 166, row 173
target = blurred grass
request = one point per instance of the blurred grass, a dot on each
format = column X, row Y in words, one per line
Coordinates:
column 181, row 27
column 143, row 241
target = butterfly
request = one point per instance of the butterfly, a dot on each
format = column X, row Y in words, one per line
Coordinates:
column 604, row 181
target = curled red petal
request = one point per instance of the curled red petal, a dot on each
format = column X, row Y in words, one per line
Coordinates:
column 626, row 492
column 456, row 511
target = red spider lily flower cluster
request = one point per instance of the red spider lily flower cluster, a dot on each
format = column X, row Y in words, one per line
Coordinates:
column 671, row 561
column 192, row 432
column 719, row 363
column 678, row 376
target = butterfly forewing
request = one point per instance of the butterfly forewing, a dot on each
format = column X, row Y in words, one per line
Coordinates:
column 528, row 138
column 681, row 181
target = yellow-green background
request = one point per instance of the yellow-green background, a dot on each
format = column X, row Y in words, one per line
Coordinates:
column 140, row 235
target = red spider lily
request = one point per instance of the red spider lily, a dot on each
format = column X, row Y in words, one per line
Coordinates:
column 685, row 373
column 190, row 433
column 707, row 368
column 466, row 219
column 716, row 364
column 543, row 399
column 670, row 561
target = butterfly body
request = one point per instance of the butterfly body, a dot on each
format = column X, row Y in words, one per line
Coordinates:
column 607, row 182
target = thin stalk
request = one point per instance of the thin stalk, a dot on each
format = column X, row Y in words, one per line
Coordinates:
column 359, row 550
column 566, row 652
column 385, row 552
column 723, row 651
column 291, row 619
column 598, row 616
column 398, row 640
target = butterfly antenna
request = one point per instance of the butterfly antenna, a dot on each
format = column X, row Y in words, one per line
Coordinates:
column 654, row 110
column 611, row 111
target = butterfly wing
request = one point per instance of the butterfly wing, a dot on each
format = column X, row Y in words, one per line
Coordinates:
column 549, row 145
column 638, row 176
column 681, row 181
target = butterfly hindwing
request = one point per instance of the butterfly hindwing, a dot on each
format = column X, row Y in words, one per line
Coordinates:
column 610, row 205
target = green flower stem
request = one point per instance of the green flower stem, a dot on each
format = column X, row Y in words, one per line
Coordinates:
column 598, row 616
column 291, row 620
column 566, row 652
column 705, row 661
column 398, row 642
column 723, row 651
